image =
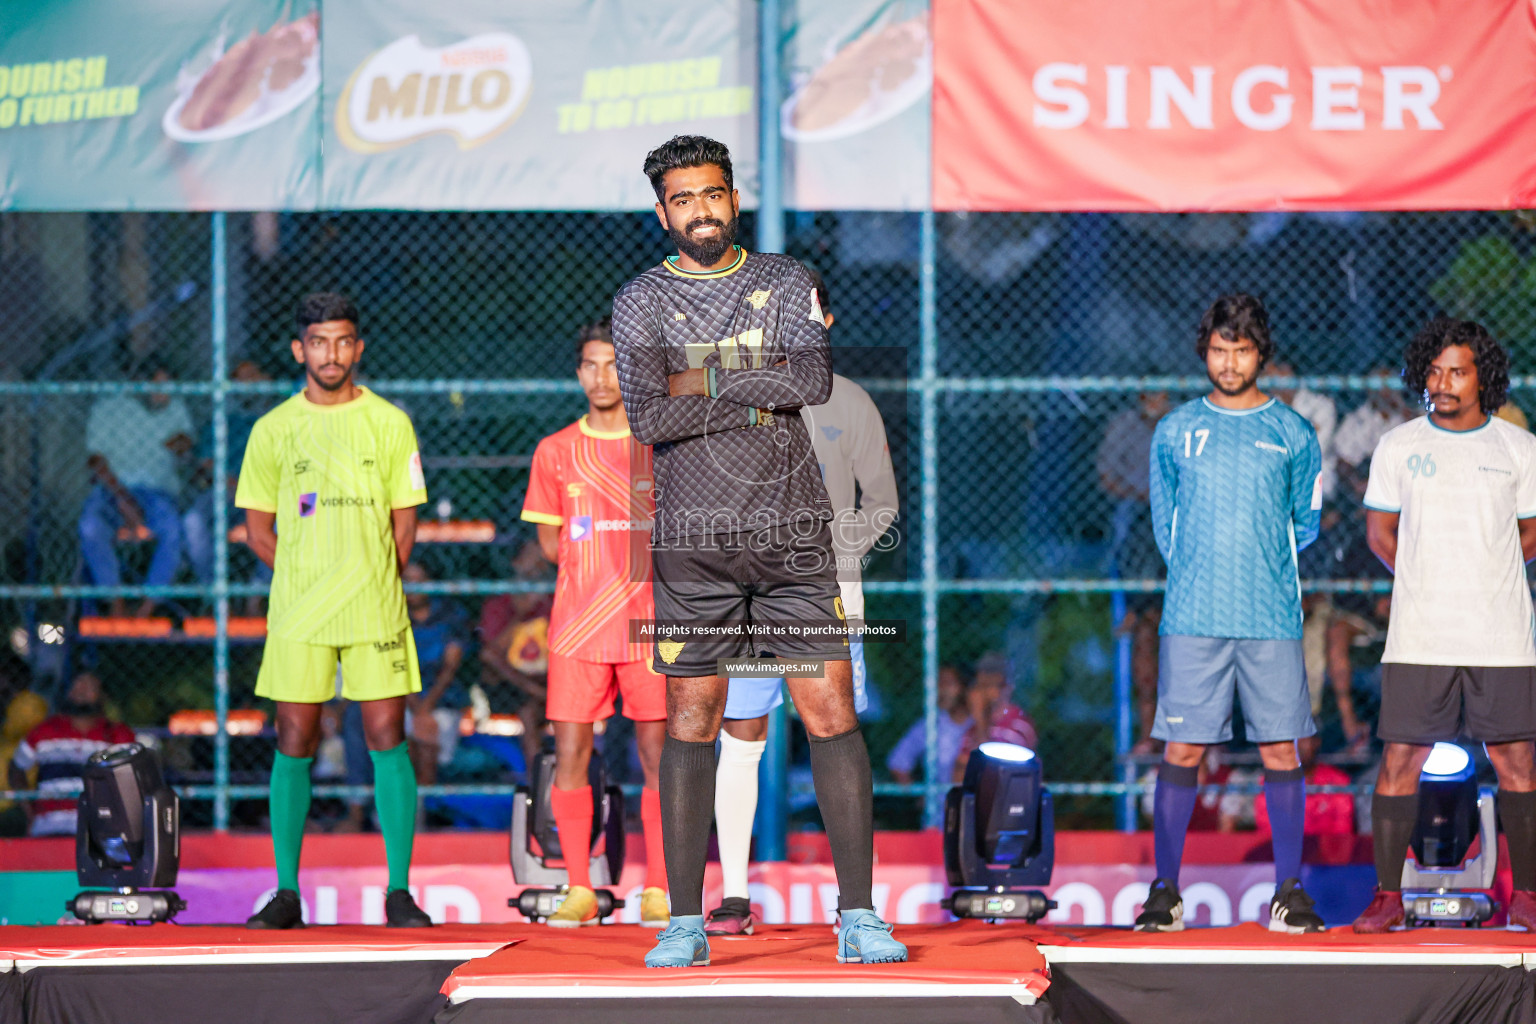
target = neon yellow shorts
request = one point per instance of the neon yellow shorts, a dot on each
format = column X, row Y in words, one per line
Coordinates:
column 301, row 673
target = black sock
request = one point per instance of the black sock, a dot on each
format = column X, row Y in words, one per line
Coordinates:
column 1517, row 813
column 687, row 784
column 845, row 794
column 1392, row 822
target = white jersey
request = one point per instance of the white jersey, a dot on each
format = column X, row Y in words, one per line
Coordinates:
column 1460, row 597
column 848, row 436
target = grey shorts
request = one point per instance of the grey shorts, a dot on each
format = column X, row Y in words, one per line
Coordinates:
column 1197, row 676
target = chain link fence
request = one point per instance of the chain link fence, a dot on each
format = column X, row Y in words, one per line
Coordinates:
column 1035, row 367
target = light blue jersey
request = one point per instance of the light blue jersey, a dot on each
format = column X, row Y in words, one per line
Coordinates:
column 1235, row 494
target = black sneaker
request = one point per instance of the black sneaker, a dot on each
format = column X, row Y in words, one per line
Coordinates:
column 283, row 910
column 732, row 917
column 401, row 911
column 1291, row 910
column 1164, row 909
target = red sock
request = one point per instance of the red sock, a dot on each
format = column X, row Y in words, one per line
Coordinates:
column 573, row 817
column 655, row 855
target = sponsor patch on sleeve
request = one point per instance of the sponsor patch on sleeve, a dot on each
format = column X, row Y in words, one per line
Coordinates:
column 815, row 313
column 1317, row 493
column 413, row 467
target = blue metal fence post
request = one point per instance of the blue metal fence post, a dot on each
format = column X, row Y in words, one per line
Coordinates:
column 937, row 779
column 219, row 315
column 773, row 816
column 1125, row 698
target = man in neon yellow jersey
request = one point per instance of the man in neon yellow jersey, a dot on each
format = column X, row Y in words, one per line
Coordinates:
column 330, row 485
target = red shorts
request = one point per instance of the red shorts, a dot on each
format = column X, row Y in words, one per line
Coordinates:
column 583, row 691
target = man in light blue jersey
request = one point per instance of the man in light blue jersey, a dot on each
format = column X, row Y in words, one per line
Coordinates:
column 1236, row 492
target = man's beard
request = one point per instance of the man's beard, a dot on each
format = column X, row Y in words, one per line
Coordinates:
column 1244, row 384
column 341, row 382
column 76, row 709
column 706, row 252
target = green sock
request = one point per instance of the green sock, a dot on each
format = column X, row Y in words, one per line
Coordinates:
column 394, row 794
column 288, row 804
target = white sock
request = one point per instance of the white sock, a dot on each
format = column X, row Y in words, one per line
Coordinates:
column 735, row 807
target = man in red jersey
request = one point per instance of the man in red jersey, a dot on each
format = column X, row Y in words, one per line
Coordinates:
column 590, row 492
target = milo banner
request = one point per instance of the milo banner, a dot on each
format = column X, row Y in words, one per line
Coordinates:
column 159, row 104
column 481, row 104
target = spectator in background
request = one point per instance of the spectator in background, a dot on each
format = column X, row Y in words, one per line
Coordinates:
column 1216, row 809
column 1318, row 410
column 133, row 442
column 1123, row 463
column 908, row 756
column 1326, row 814
column 1314, row 561
column 59, row 748
column 514, row 648
column 441, row 630
column 197, row 523
column 25, row 709
column 1357, row 638
column 1384, row 408
column 1509, row 412
column 994, row 717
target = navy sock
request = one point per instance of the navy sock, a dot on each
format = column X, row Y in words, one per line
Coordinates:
column 1172, row 804
column 1285, row 796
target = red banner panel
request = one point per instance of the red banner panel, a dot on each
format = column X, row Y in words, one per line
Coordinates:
column 1232, row 105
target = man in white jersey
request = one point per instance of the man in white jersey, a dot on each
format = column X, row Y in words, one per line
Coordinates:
column 1451, row 511
column 848, row 437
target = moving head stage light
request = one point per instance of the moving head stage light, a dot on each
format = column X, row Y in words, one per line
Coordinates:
column 1000, row 835
column 1439, row 878
column 128, row 837
column 536, row 842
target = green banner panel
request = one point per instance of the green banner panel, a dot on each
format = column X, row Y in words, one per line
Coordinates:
column 160, row 104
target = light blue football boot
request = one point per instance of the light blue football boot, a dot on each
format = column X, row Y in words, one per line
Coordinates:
column 862, row 938
column 682, row 944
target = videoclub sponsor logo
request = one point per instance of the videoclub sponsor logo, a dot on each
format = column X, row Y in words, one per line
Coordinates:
column 470, row 90
column 583, row 527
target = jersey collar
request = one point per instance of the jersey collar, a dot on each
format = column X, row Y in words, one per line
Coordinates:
column 1213, row 407
column 601, row 435
column 363, row 395
column 1487, row 419
column 741, row 258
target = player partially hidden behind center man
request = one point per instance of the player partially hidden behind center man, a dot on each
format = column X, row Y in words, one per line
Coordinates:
column 1235, row 495
column 590, row 494
column 330, row 484
column 1451, row 511
column 718, row 350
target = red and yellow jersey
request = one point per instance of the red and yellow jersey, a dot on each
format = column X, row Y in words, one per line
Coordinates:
column 598, row 488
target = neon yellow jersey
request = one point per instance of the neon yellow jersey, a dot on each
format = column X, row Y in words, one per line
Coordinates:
column 332, row 474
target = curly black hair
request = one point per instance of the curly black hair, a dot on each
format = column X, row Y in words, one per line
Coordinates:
column 686, row 151
column 1234, row 316
column 1440, row 334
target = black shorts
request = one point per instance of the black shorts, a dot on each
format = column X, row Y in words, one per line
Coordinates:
column 1425, row 704
column 772, row 590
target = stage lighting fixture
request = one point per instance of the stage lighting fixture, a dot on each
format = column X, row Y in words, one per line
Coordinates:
column 128, row 838
column 1000, row 835
column 535, row 841
column 1439, row 878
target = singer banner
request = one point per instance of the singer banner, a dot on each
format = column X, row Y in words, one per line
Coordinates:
column 1209, row 105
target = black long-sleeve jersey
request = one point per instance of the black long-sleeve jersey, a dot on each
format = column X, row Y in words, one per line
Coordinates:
column 758, row 326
